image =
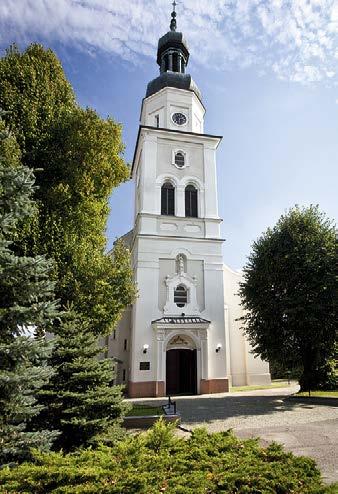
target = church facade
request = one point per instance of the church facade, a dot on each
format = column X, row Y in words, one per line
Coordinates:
column 182, row 334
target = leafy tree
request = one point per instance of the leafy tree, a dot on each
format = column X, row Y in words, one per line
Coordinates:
column 290, row 294
column 35, row 92
column 27, row 303
column 80, row 400
column 78, row 161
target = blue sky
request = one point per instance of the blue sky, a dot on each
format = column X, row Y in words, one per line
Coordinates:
column 268, row 72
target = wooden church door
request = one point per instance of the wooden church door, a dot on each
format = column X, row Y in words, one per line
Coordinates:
column 181, row 372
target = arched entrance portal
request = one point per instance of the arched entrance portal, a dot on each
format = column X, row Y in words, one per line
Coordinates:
column 181, row 367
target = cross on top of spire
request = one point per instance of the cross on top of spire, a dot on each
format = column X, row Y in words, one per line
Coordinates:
column 173, row 17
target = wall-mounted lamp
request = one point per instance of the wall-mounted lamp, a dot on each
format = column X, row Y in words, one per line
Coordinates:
column 218, row 347
column 145, row 348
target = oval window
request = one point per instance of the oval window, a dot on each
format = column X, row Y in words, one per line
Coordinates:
column 179, row 159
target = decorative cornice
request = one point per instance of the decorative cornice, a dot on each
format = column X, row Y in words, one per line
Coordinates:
column 171, row 131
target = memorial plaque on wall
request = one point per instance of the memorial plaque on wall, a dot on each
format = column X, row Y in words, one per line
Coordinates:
column 144, row 365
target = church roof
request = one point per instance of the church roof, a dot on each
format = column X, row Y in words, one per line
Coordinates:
column 181, row 320
column 173, row 79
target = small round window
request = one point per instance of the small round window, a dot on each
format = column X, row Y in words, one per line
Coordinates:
column 179, row 159
column 180, row 296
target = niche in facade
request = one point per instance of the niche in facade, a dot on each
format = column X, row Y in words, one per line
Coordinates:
column 181, row 291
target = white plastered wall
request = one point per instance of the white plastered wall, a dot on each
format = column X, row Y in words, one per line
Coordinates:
column 154, row 167
column 147, row 308
column 244, row 367
column 116, row 347
column 168, row 101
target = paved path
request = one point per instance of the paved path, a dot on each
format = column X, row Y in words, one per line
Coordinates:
column 304, row 429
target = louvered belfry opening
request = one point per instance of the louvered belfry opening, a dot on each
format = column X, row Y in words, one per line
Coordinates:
column 191, row 206
column 180, row 296
column 168, row 199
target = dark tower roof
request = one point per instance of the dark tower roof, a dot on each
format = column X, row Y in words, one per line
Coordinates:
column 172, row 57
column 175, row 40
column 173, row 79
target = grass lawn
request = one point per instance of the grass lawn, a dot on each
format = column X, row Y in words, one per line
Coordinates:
column 142, row 410
column 275, row 384
column 322, row 394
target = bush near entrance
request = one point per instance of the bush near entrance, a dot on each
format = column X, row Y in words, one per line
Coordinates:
column 158, row 461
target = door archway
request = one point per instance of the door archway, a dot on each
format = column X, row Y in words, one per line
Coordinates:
column 181, row 366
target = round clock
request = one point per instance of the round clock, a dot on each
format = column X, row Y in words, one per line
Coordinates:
column 179, row 118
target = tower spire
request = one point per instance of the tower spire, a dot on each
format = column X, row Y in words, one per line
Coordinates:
column 172, row 57
column 173, row 23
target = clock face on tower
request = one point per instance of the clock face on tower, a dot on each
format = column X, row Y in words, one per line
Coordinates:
column 179, row 118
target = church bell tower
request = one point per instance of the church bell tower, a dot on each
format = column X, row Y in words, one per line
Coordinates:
column 178, row 342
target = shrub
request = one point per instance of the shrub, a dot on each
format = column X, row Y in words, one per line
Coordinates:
column 157, row 461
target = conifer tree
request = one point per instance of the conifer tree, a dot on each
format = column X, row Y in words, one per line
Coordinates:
column 27, row 306
column 81, row 400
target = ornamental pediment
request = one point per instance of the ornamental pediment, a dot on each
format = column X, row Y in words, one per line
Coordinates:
column 181, row 291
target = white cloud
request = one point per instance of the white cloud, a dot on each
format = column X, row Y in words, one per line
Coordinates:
column 295, row 39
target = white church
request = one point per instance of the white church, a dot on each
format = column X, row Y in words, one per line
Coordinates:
column 182, row 334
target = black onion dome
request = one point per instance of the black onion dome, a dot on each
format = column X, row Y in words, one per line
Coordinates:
column 172, row 57
column 175, row 40
column 173, row 79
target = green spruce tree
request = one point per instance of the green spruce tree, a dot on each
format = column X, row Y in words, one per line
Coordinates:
column 81, row 400
column 27, row 306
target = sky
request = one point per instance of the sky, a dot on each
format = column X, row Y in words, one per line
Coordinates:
column 268, row 72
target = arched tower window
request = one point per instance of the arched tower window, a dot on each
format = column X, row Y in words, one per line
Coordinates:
column 168, row 199
column 191, row 206
column 179, row 159
column 180, row 296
